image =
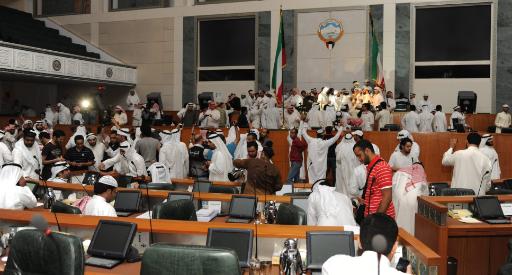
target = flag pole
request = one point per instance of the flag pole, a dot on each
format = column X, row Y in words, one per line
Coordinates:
column 282, row 67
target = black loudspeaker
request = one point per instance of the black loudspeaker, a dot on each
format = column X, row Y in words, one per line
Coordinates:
column 203, row 99
column 157, row 98
column 467, row 101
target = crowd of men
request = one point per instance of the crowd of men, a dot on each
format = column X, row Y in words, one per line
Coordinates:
column 345, row 168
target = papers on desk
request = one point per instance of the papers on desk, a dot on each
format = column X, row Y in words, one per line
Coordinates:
column 469, row 220
column 144, row 215
column 352, row 228
column 39, row 204
column 507, row 209
column 205, row 215
column 287, row 188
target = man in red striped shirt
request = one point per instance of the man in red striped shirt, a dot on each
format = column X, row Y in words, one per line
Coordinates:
column 377, row 195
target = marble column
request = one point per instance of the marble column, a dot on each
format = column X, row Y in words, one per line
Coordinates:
column 388, row 45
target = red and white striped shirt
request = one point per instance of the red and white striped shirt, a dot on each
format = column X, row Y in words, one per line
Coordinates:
column 380, row 178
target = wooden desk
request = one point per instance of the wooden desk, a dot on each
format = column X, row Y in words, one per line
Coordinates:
column 479, row 248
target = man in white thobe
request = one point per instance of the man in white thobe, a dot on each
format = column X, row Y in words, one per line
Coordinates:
column 271, row 117
column 126, row 162
column 291, row 118
column 317, row 152
column 390, row 101
column 323, row 98
column 64, row 114
column 346, row 162
column 13, row 196
column 487, row 147
column 426, row 119
column 97, row 148
column 425, row 104
column 503, row 119
column 329, row 115
column 222, row 162
column 459, row 116
column 132, row 99
column 327, row 207
column 5, row 153
column 439, row 123
column 402, row 158
column 211, row 117
column 415, row 149
column 471, row 168
column 367, row 117
column 315, row 117
column 174, row 154
column 104, row 193
column 27, row 154
column 295, row 99
column 411, row 120
column 159, row 173
column 377, row 97
column 409, row 183
column 383, row 116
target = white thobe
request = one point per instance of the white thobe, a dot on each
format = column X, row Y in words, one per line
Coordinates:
column 398, row 160
column 315, row 118
column 326, row 207
column 383, row 117
column 439, row 122
column 98, row 150
column 329, row 115
column 131, row 101
column 292, row 120
column 98, row 206
column 17, row 198
column 159, row 172
column 391, row 103
column 457, row 115
column 377, row 99
column 294, row 100
column 255, row 117
column 5, row 154
column 411, row 121
column 175, row 157
column 367, row 264
column 317, row 155
column 212, row 118
column 28, row 158
column 121, row 118
column 271, row 118
column 426, row 105
column 415, row 150
column 219, row 168
column 64, row 115
column 78, row 117
column 502, row 120
column 346, row 162
column 357, row 185
column 133, row 166
column 368, row 121
column 491, row 153
column 471, row 169
column 426, row 122
column 405, row 199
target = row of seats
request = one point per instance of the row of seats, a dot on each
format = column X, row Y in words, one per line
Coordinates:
column 20, row 28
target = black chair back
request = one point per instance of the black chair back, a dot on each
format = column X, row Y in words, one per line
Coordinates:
column 158, row 186
column 291, row 215
column 457, row 192
column 223, row 189
column 436, row 187
column 60, row 207
column 175, row 210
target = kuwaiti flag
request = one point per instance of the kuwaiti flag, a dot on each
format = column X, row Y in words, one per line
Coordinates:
column 279, row 64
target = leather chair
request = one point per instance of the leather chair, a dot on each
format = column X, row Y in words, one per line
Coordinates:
column 499, row 191
column 175, row 210
column 60, row 207
column 436, row 187
column 291, row 215
column 457, row 192
column 36, row 254
column 392, row 127
column 223, row 189
column 164, row 259
column 124, row 181
column 158, row 186
column 506, row 269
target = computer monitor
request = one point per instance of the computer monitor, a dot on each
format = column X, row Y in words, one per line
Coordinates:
column 238, row 240
column 488, row 207
column 91, row 178
column 301, row 202
column 112, row 239
column 202, row 186
column 321, row 245
column 127, row 201
column 242, row 207
column 174, row 196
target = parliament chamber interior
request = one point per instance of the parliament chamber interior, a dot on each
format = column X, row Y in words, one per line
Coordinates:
column 255, row 137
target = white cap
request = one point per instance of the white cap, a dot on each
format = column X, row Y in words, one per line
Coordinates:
column 59, row 167
column 108, row 180
column 124, row 132
column 505, row 106
column 320, row 131
column 348, row 136
column 125, row 145
column 358, row 133
column 403, row 134
column 90, row 136
column 456, row 107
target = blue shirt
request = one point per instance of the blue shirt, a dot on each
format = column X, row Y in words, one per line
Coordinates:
column 231, row 148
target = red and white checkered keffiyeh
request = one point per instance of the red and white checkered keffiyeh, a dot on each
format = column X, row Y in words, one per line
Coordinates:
column 417, row 173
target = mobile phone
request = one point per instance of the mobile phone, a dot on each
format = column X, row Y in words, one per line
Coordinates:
column 402, row 265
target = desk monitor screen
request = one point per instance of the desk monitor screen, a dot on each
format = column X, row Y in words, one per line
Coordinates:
column 301, row 202
column 238, row 240
column 127, row 201
column 242, row 207
column 202, row 186
column 174, row 196
column 91, row 178
column 488, row 207
column 323, row 245
column 112, row 239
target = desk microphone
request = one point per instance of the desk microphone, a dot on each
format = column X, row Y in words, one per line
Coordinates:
column 379, row 244
column 41, row 224
column 482, row 181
